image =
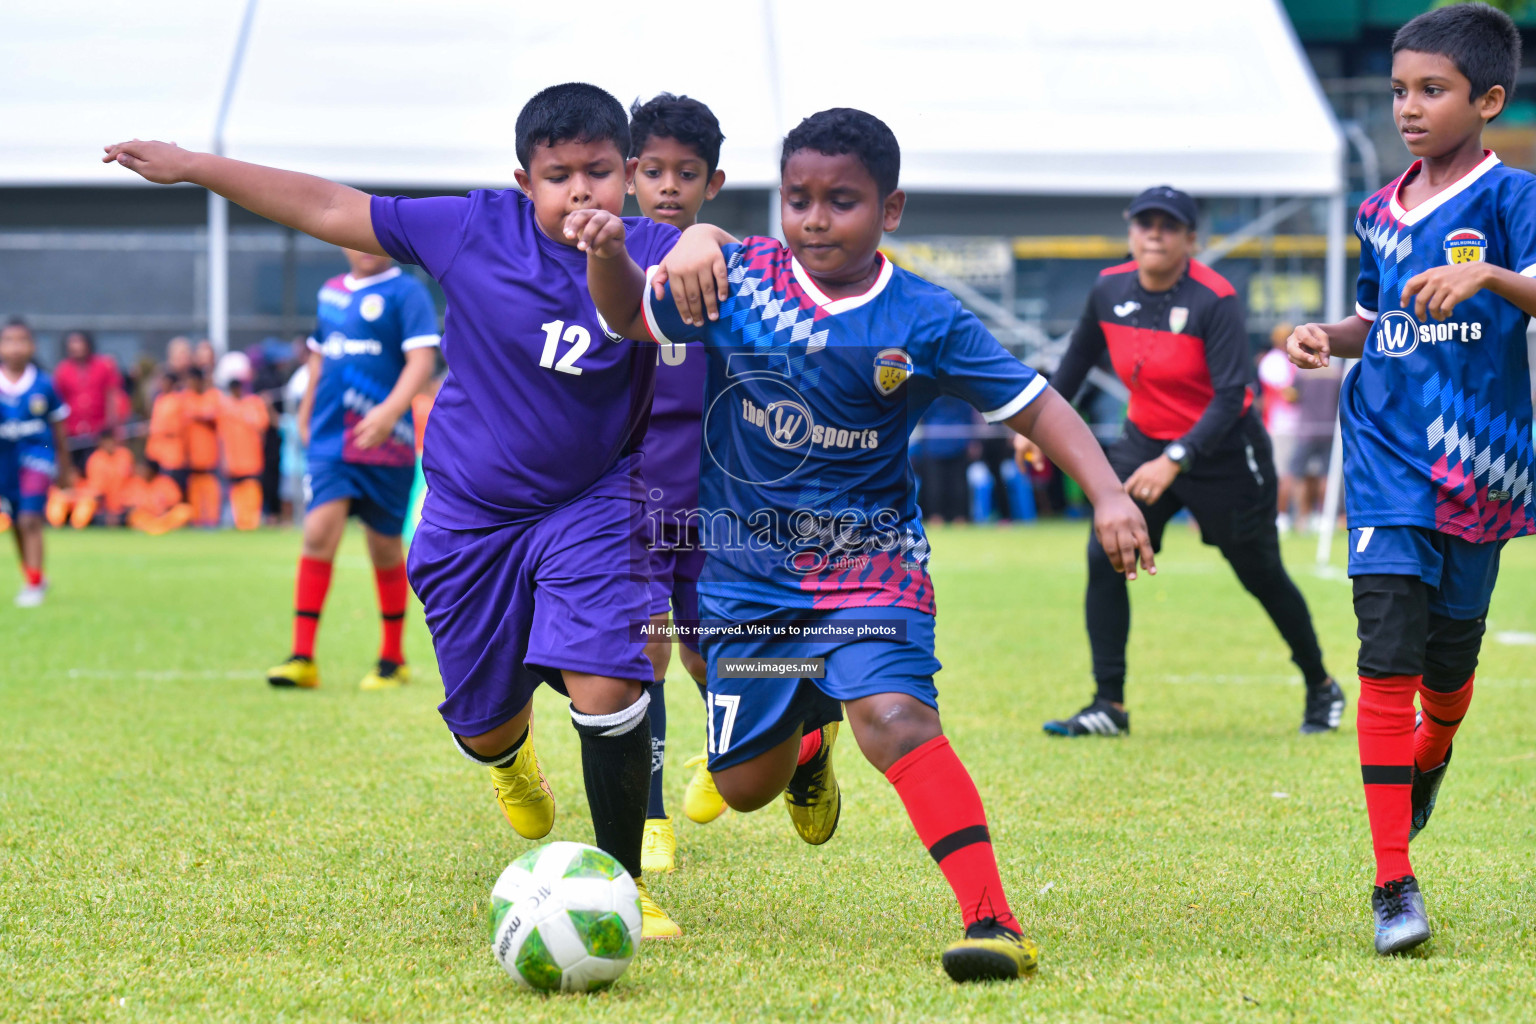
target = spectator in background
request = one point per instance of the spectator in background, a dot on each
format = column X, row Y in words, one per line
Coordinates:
column 1277, row 378
column 166, row 445
column 292, row 467
column 178, row 357
column 1316, row 412
column 243, row 421
column 99, row 497
column 200, row 413
column 90, row 385
column 153, row 501
column 945, row 451
column 205, row 358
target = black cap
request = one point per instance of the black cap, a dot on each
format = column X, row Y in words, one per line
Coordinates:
column 1168, row 199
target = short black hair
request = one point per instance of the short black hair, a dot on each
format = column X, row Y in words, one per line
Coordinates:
column 676, row 117
column 573, row 112
column 846, row 130
column 90, row 340
column 1482, row 42
column 16, row 321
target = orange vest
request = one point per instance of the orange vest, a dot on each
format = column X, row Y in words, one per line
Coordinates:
column 242, row 429
column 167, row 442
column 157, row 496
column 106, row 472
column 202, row 416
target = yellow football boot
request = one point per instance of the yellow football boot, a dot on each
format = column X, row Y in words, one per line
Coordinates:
column 658, row 847
column 386, row 675
column 812, row 796
column 991, row 952
column 702, row 802
column 524, row 793
column 654, row 922
column 296, row 671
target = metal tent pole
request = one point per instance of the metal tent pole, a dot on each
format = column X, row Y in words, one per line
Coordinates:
column 218, row 206
column 1333, row 312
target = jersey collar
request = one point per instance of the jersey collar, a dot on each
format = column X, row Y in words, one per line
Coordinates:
column 852, row 301
column 20, row 387
column 1445, row 195
column 355, row 284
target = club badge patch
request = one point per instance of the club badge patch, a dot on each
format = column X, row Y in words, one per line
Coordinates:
column 372, row 307
column 892, row 368
column 38, row 405
column 1178, row 318
column 1466, row 245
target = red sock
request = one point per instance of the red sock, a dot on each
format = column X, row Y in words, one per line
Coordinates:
column 34, row 575
column 308, row 598
column 1384, row 721
column 1443, row 713
column 810, row 745
column 392, row 588
column 946, row 810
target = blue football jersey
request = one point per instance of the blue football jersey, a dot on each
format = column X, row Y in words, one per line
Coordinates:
column 1437, row 415
column 365, row 327
column 28, row 409
column 806, row 493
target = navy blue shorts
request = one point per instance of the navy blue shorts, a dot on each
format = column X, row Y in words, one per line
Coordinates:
column 750, row 716
column 24, row 488
column 1459, row 573
column 511, row 606
column 380, row 495
column 675, row 567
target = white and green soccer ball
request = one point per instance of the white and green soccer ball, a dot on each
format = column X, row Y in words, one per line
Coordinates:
column 565, row 916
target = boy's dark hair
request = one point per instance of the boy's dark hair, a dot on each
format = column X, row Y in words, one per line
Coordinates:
column 1482, row 42
column 573, row 112
column 89, row 338
column 676, row 117
column 846, row 130
column 16, row 321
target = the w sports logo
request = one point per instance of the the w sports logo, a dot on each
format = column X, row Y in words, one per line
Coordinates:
column 1397, row 333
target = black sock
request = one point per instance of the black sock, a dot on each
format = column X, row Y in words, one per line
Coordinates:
column 616, row 766
column 657, row 712
column 1111, row 690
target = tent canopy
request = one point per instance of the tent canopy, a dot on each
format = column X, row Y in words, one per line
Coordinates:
column 1039, row 98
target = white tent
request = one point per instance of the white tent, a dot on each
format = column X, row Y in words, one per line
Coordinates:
column 1045, row 98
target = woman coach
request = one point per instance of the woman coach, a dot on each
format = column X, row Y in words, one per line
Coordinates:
column 1175, row 331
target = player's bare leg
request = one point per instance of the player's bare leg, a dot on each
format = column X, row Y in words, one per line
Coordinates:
column 610, row 717
column 387, row 552
column 323, row 529
column 903, row 737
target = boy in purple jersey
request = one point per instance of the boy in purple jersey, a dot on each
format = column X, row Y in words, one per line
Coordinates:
column 1436, row 423
column 31, row 440
column 374, row 348
column 528, row 560
column 822, row 357
column 675, row 143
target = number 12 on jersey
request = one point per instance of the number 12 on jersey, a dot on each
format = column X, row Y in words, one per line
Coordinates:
column 575, row 335
column 718, row 738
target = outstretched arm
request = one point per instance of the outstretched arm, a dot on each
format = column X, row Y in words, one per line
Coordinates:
column 330, row 212
column 615, row 280
column 1066, row 440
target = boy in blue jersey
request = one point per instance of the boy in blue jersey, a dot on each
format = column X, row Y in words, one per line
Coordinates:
column 374, row 347
column 529, row 559
column 822, row 357
column 1436, row 421
column 674, row 142
column 31, row 438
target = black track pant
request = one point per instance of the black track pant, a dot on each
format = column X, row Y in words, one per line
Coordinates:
column 1231, row 493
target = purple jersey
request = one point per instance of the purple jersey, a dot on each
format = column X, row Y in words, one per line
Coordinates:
column 1437, row 416
column 672, row 443
column 363, row 330
column 542, row 403
column 806, row 494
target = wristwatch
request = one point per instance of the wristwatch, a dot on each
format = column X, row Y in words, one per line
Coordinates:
column 1179, row 454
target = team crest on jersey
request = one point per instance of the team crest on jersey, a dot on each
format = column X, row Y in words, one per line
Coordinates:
column 38, row 406
column 892, row 368
column 372, row 307
column 1178, row 318
column 1466, row 245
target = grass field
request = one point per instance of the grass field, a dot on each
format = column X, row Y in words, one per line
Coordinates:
column 177, row 843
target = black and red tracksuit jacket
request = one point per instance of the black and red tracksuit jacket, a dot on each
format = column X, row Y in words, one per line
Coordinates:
column 1182, row 353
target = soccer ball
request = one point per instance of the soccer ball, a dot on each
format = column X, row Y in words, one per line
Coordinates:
column 565, row 916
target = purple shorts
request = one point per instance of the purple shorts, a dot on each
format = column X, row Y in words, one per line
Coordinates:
column 511, row 606
column 675, row 566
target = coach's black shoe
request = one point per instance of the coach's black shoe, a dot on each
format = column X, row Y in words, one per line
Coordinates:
column 1101, row 718
column 1426, row 788
column 1324, row 708
column 1401, row 922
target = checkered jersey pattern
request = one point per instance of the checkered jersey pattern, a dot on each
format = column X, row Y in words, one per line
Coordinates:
column 1482, row 465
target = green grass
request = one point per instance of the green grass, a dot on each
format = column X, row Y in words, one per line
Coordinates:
column 177, row 843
